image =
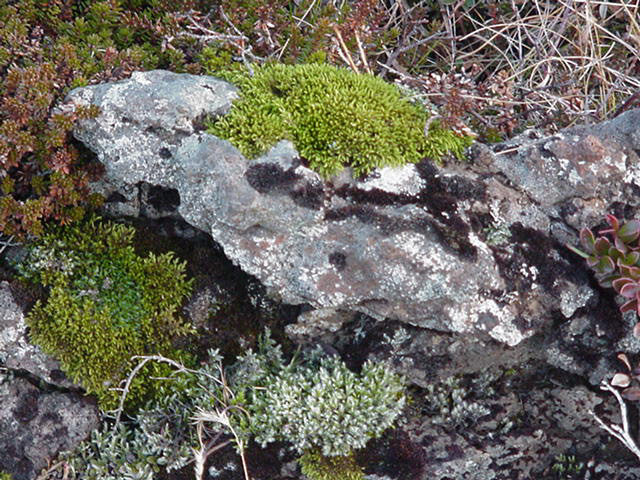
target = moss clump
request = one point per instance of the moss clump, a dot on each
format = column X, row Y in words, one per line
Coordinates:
column 105, row 305
column 334, row 117
column 318, row 467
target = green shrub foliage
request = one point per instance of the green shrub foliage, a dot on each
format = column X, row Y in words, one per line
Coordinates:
column 105, row 305
column 334, row 117
column 322, row 409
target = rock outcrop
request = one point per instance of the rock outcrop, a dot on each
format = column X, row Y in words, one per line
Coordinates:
column 466, row 264
column 474, row 248
column 35, row 426
column 16, row 352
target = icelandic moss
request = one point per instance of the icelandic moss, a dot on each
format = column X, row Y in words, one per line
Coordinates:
column 315, row 403
column 105, row 305
column 334, row 117
column 318, row 403
column 318, row 467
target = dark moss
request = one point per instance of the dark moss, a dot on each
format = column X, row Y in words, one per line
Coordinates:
column 545, row 152
column 27, row 407
column 308, row 196
column 452, row 239
column 116, row 197
column 394, row 455
column 165, row 153
column 605, row 329
column 439, row 197
column 504, row 147
column 533, row 247
column 271, row 178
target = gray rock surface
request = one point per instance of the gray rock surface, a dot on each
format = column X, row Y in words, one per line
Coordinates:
column 16, row 352
column 36, row 425
column 474, row 249
column 519, row 433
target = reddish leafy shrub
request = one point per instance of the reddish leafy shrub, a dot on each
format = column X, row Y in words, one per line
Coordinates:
column 48, row 47
column 616, row 260
column 42, row 177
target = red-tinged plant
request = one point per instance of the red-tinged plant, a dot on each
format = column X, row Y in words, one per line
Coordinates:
column 615, row 260
column 48, row 47
column 41, row 174
column 629, row 381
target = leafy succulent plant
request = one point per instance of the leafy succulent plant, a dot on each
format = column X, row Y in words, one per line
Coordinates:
column 615, row 260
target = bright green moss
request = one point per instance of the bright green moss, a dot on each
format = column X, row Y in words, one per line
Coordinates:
column 5, row 476
column 334, row 117
column 105, row 305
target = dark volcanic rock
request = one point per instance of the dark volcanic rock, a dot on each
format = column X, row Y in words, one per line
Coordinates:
column 35, row 426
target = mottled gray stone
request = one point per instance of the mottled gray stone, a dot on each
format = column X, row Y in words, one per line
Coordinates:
column 403, row 243
column 496, row 448
column 16, row 352
column 35, row 426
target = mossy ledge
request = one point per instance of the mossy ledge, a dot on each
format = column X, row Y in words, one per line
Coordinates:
column 334, row 117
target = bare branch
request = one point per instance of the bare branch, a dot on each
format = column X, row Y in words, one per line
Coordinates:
column 621, row 433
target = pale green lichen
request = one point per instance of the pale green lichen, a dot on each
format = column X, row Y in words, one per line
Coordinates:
column 324, row 410
column 452, row 404
column 334, row 117
column 317, row 403
column 159, row 436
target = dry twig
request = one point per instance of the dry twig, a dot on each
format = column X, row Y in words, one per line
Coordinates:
column 621, row 433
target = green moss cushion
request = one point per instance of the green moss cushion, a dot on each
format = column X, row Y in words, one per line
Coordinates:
column 334, row 117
